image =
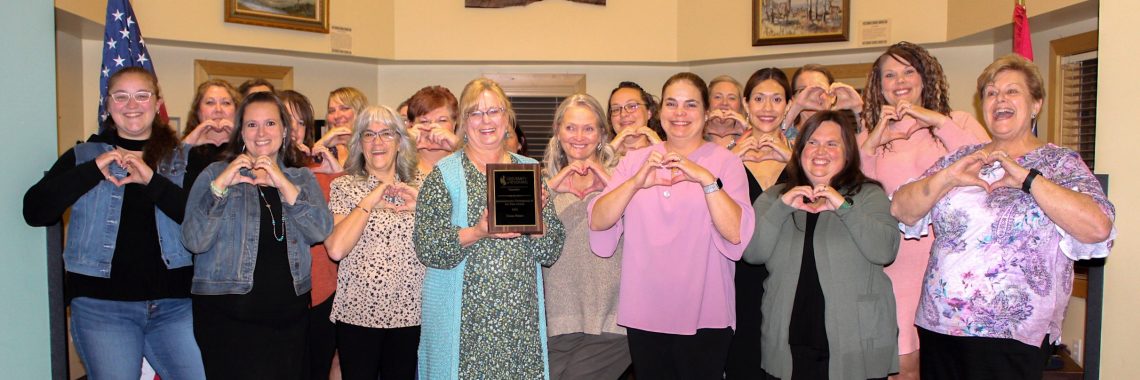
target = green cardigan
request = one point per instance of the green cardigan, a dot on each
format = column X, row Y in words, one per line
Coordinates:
column 851, row 246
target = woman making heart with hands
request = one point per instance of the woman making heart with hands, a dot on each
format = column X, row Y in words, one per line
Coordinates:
column 251, row 221
column 826, row 235
column 123, row 257
column 377, row 303
column 816, row 90
column 765, row 152
column 681, row 212
column 433, row 112
column 1009, row 218
column 908, row 126
column 209, row 124
column 726, row 123
column 343, row 106
column 633, row 116
column 581, row 288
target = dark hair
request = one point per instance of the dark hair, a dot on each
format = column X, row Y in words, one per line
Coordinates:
column 300, row 104
column 245, row 86
column 765, row 74
column 288, row 152
column 163, row 140
column 429, row 98
column 850, row 179
column 650, row 103
column 935, row 88
column 695, row 80
column 518, row 131
column 812, row 67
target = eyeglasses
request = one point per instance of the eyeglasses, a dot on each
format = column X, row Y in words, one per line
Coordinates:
column 628, row 107
column 493, row 113
column 386, row 136
column 424, row 124
column 141, row 97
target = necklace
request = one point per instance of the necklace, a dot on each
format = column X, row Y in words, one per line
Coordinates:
column 273, row 219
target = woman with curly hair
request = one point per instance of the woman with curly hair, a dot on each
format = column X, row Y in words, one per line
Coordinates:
column 908, row 125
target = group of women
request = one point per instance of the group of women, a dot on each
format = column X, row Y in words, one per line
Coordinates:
column 776, row 229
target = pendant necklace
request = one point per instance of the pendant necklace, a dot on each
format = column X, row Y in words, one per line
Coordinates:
column 273, row 219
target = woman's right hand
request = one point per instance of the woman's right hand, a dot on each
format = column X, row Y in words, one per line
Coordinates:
column 328, row 163
column 335, row 136
column 482, row 232
column 231, row 175
column 104, row 161
column 654, row 173
column 964, row 172
column 618, row 143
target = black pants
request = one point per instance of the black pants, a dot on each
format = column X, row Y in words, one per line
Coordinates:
column 322, row 339
column 366, row 353
column 954, row 357
column 660, row 356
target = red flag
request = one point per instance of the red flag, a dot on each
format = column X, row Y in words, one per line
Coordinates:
column 1022, row 40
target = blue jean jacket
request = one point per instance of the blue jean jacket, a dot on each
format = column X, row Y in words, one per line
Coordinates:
column 223, row 232
column 94, row 224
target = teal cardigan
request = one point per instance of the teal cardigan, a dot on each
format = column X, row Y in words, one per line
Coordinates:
column 851, row 248
column 443, row 290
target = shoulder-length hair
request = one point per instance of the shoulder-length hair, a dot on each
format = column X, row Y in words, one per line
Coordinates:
column 287, row 152
column 651, row 104
column 935, row 87
column 469, row 101
column 351, row 97
column 406, row 158
column 850, row 179
column 555, row 158
column 299, row 103
column 192, row 118
column 163, row 140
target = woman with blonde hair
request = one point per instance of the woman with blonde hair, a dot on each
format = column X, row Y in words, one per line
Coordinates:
column 581, row 288
column 344, row 104
column 483, row 312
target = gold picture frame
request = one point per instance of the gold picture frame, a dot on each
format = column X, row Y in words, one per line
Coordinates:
column 306, row 15
column 781, row 22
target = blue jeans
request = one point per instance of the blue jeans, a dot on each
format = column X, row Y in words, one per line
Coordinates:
column 112, row 337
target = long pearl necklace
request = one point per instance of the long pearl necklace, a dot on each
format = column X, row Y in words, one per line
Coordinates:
column 273, row 219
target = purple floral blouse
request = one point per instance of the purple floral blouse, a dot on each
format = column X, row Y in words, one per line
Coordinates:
column 999, row 267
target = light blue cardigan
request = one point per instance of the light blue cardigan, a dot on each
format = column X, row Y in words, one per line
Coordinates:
column 443, row 290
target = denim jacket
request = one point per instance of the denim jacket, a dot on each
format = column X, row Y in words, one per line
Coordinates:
column 94, row 225
column 223, row 232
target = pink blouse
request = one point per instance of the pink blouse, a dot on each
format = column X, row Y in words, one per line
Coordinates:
column 677, row 271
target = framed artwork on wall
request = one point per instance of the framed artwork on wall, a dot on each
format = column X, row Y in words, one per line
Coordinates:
column 780, row 22
column 306, row 15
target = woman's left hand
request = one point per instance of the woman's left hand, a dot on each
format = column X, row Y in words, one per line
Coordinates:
column 329, row 163
column 831, row 199
column 406, row 195
column 925, row 116
column 846, row 97
column 268, row 166
column 1014, row 173
column 141, row 173
column 690, row 171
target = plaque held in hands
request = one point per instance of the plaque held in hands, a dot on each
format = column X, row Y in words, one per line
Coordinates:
column 514, row 198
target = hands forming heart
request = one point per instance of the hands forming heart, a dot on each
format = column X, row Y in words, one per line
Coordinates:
column 571, row 179
column 259, row 171
column 813, row 199
column 630, row 137
column 845, row 97
column 435, row 138
column 328, row 162
column 121, row 167
column 968, row 171
column 336, row 136
column 762, row 148
column 399, row 197
column 724, row 123
column 669, row 169
column 213, row 131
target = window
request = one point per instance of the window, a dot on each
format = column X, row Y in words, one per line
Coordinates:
column 1073, row 77
column 535, row 115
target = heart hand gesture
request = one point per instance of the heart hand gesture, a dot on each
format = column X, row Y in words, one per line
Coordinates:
column 1014, row 173
column 399, row 197
column 846, row 98
column 964, row 172
column 139, row 172
column 328, row 163
column 653, row 173
column 689, row 170
column 335, row 136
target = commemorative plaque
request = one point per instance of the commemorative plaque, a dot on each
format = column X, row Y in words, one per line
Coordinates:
column 514, row 198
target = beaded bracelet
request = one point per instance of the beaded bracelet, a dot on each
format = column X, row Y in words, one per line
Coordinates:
column 220, row 193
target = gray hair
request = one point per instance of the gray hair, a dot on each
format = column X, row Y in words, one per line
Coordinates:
column 406, row 158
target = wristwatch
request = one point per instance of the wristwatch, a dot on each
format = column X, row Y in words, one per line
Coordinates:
column 713, row 187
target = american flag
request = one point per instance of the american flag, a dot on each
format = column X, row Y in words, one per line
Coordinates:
column 123, row 46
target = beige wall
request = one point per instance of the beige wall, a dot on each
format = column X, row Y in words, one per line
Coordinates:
column 1116, row 155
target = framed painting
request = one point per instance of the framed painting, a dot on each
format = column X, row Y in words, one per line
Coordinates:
column 306, row 15
column 780, row 22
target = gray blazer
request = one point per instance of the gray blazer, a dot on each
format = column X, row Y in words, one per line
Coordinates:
column 851, row 246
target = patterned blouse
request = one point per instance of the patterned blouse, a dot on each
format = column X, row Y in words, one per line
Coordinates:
column 379, row 282
column 1000, row 268
column 499, row 327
